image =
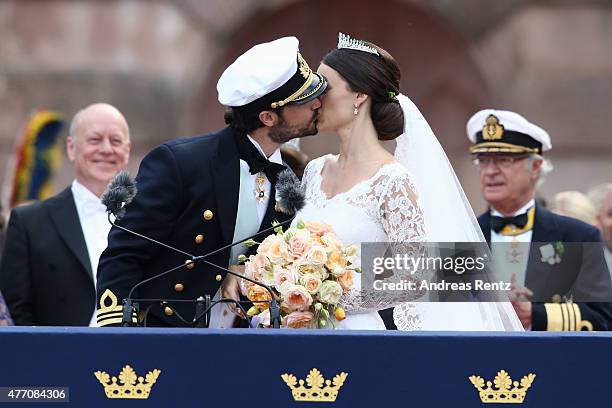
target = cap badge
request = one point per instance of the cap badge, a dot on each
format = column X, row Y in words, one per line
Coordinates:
column 304, row 68
column 492, row 130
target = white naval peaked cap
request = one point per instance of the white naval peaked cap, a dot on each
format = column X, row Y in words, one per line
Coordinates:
column 266, row 68
column 501, row 131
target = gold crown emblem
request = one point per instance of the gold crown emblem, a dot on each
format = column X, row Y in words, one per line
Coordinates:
column 315, row 391
column 304, row 68
column 505, row 391
column 132, row 386
column 492, row 130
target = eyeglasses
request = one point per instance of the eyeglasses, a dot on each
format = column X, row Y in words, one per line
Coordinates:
column 501, row 162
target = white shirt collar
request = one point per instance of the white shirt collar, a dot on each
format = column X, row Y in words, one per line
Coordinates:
column 83, row 195
column 521, row 210
column 274, row 158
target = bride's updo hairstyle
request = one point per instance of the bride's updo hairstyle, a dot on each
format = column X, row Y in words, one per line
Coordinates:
column 377, row 76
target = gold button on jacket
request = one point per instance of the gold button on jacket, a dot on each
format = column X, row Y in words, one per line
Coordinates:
column 179, row 287
column 199, row 239
column 208, row 215
column 219, row 278
column 168, row 311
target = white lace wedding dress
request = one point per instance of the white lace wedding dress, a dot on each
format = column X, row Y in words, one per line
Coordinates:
column 385, row 208
column 382, row 208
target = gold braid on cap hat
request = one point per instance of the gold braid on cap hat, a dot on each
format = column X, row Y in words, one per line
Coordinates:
column 306, row 72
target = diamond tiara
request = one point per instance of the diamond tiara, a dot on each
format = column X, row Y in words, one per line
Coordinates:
column 345, row 41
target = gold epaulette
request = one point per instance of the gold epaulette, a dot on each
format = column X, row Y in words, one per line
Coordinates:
column 108, row 314
column 565, row 317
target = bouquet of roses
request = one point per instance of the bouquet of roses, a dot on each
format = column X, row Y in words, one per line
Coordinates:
column 308, row 267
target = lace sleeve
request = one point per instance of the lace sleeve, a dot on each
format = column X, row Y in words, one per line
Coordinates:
column 400, row 213
column 402, row 220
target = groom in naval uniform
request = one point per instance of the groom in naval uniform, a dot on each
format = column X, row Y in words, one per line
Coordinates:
column 201, row 193
column 560, row 280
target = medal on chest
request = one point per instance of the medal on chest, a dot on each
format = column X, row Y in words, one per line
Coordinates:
column 260, row 187
column 514, row 253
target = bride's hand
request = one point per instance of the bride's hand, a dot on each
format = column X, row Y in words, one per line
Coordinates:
column 231, row 289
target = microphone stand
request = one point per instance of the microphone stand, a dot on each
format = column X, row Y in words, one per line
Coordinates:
column 167, row 302
column 129, row 307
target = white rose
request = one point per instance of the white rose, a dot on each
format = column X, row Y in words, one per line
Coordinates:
column 330, row 292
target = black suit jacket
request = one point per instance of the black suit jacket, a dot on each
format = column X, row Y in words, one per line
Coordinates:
column 177, row 182
column 582, row 273
column 45, row 272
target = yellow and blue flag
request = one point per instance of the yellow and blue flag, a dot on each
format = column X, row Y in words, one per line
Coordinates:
column 39, row 155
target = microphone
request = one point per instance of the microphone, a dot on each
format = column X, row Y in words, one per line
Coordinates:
column 119, row 193
column 290, row 197
column 122, row 189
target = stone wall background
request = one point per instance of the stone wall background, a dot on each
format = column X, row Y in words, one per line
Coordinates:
column 158, row 62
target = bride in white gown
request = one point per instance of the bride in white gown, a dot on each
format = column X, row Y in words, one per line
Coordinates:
column 369, row 195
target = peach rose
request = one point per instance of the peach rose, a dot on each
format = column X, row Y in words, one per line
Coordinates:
column 316, row 255
column 346, row 280
column 317, row 228
column 282, row 275
column 331, row 241
column 276, row 250
column 298, row 246
column 297, row 297
column 258, row 267
column 258, row 293
column 266, row 243
column 298, row 320
column 336, row 263
column 311, row 282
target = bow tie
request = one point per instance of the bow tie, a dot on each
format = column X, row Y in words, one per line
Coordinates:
column 257, row 163
column 497, row 223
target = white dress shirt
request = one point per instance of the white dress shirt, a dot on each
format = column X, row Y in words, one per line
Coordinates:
column 95, row 226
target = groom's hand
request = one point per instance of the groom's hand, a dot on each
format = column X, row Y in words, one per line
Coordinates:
column 519, row 296
column 231, row 289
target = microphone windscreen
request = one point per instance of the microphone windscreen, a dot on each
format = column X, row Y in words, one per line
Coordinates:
column 120, row 192
column 289, row 194
column 124, row 179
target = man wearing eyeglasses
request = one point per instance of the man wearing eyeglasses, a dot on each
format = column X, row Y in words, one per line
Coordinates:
column 559, row 277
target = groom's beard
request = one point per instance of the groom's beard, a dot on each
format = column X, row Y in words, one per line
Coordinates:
column 283, row 132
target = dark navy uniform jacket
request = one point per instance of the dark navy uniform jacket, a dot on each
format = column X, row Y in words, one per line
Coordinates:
column 582, row 274
column 187, row 198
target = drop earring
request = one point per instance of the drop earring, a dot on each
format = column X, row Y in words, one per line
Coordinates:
column 356, row 110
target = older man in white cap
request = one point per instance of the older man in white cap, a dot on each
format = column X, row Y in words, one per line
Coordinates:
column 199, row 194
column 559, row 275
